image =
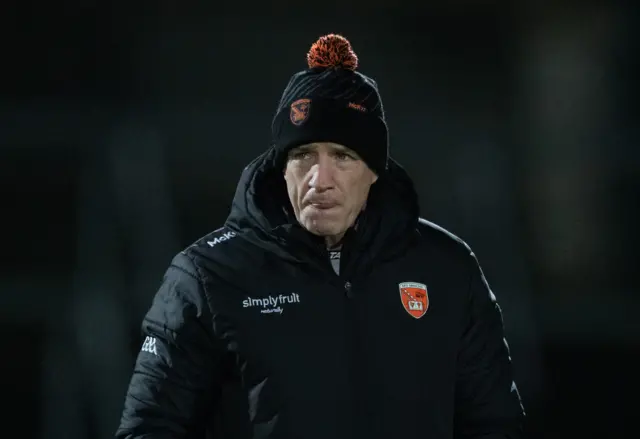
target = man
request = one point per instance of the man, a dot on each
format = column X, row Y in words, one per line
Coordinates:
column 325, row 307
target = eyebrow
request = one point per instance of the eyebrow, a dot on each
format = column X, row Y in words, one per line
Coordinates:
column 301, row 148
column 334, row 150
column 311, row 146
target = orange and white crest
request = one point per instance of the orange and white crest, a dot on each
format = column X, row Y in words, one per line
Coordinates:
column 414, row 298
column 299, row 111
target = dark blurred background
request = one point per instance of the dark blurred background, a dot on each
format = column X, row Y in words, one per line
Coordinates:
column 124, row 128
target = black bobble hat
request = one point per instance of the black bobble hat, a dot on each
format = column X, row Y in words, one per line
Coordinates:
column 332, row 102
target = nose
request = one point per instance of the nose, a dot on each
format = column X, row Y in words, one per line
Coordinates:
column 322, row 176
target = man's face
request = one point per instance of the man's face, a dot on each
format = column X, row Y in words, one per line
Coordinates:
column 328, row 185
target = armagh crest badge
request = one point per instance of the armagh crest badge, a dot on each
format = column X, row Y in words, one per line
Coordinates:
column 414, row 298
column 299, row 111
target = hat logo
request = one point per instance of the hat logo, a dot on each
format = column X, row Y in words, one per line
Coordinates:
column 299, row 111
column 358, row 107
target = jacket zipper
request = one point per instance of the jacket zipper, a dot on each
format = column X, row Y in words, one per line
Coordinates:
column 347, row 287
column 348, row 290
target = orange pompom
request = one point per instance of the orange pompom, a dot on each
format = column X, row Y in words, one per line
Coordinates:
column 332, row 51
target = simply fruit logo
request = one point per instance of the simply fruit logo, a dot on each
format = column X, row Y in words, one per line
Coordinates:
column 271, row 304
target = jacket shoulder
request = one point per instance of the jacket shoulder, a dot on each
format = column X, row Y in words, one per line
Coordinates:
column 219, row 241
column 222, row 255
column 435, row 235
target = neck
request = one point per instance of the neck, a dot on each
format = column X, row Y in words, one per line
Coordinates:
column 333, row 241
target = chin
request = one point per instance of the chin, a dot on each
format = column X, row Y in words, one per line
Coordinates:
column 321, row 230
column 323, row 222
column 321, row 227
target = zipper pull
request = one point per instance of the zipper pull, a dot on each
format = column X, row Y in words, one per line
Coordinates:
column 347, row 289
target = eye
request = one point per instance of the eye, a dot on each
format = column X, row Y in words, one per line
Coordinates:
column 342, row 156
column 300, row 155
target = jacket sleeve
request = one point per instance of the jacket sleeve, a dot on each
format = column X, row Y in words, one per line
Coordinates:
column 177, row 370
column 487, row 402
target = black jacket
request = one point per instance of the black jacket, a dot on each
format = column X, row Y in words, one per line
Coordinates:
column 253, row 335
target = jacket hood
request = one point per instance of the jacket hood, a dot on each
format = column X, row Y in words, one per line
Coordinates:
column 261, row 211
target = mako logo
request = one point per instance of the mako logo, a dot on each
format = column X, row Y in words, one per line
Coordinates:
column 222, row 238
column 271, row 304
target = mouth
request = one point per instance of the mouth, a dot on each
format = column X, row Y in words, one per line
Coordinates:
column 322, row 205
